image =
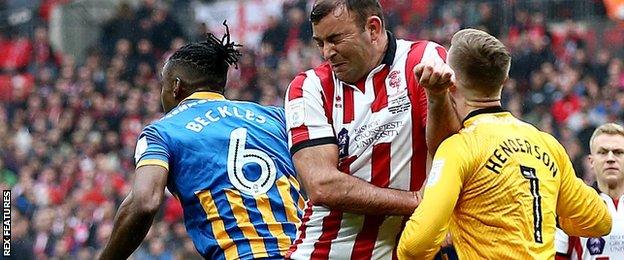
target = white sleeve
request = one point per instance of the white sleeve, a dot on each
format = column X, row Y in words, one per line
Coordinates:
column 434, row 53
column 306, row 119
column 561, row 242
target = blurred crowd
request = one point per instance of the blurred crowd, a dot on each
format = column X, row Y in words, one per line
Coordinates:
column 69, row 126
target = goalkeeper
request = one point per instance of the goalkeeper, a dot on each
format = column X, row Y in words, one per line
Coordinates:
column 500, row 182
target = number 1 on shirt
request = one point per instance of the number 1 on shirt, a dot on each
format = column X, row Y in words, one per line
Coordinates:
column 530, row 174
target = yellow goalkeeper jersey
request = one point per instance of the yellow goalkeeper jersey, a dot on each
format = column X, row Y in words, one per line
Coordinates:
column 500, row 185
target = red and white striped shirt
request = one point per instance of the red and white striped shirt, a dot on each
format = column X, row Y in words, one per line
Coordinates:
column 379, row 127
column 609, row 247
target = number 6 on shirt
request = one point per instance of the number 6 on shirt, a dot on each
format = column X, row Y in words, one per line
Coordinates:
column 238, row 157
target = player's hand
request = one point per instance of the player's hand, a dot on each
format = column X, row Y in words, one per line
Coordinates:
column 418, row 196
column 436, row 78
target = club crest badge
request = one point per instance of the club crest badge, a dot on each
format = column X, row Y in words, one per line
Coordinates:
column 393, row 83
column 395, row 79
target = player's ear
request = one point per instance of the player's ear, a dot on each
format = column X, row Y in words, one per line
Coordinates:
column 590, row 159
column 375, row 27
column 177, row 87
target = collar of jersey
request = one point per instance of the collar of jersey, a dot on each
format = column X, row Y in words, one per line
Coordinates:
column 487, row 110
column 205, row 95
column 388, row 58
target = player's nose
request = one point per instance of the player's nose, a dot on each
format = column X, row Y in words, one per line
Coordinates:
column 328, row 51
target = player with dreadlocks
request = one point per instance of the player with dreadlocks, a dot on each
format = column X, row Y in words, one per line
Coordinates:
column 226, row 161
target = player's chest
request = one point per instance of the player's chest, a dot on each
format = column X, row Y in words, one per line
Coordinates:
column 384, row 93
column 364, row 117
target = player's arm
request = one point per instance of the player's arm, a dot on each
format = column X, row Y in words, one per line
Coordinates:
column 136, row 213
column 435, row 76
column 581, row 211
column 428, row 226
column 326, row 185
column 315, row 156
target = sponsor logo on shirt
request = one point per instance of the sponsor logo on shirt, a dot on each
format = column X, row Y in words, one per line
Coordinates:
column 369, row 134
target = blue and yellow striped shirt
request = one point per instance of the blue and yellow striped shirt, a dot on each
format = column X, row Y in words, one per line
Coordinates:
column 229, row 165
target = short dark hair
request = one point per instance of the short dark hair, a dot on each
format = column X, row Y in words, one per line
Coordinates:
column 362, row 9
column 207, row 62
column 484, row 61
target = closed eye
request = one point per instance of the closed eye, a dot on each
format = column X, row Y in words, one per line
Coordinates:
column 319, row 43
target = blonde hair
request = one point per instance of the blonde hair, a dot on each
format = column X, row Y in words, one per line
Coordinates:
column 482, row 59
column 605, row 129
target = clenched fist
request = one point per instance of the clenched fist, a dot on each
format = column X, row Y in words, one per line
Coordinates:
column 436, row 78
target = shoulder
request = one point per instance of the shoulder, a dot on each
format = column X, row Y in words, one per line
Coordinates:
column 421, row 50
column 273, row 111
column 320, row 72
column 455, row 141
column 465, row 147
column 261, row 110
column 455, row 146
column 414, row 52
column 318, row 80
column 296, row 86
column 549, row 140
column 157, row 131
column 457, row 152
column 155, row 127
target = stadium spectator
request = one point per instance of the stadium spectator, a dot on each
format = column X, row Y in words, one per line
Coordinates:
column 607, row 162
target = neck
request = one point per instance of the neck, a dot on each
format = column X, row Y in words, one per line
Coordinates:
column 614, row 191
column 202, row 89
column 476, row 104
column 186, row 93
column 382, row 48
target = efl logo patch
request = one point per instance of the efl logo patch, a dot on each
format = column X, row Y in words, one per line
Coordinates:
column 595, row 245
column 343, row 143
column 140, row 149
column 296, row 112
column 436, row 171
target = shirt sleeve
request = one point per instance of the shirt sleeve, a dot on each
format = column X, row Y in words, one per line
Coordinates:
column 561, row 242
column 580, row 209
column 306, row 120
column 428, row 226
column 151, row 149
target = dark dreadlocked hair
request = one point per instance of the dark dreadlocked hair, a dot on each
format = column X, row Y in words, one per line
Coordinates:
column 207, row 62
